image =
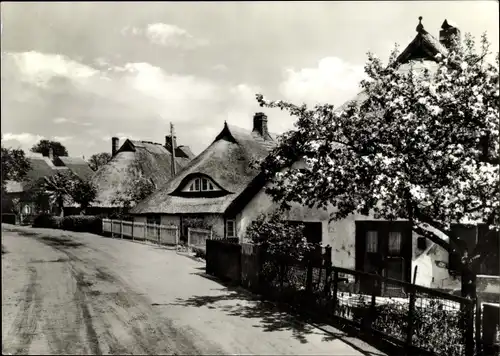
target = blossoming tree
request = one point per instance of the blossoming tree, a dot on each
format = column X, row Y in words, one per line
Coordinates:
column 422, row 145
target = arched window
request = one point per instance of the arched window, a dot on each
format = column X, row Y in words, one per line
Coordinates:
column 201, row 184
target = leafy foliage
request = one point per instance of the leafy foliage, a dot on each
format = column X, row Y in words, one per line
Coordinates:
column 45, row 220
column 82, row 192
column 44, row 147
column 424, row 145
column 138, row 188
column 77, row 223
column 81, row 223
column 36, row 194
column 98, row 160
column 58, row 188
column 15, row 165
column 282, row 240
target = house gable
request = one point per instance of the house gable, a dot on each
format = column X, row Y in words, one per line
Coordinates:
column 199, row 185
column 226, row 164
column 423, row 47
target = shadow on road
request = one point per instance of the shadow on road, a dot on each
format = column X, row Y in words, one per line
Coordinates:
column 236, row 301
column 60, row 242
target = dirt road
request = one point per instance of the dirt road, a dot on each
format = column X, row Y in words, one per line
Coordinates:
column 72, row 293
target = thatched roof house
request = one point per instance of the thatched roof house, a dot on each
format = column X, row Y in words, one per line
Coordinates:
column 218, row 190
column 77, row 165
column 133, row 158
column 45, row 166
column 41, row 166
column 213, row 181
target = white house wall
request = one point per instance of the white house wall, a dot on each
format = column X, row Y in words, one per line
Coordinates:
column 341, row 236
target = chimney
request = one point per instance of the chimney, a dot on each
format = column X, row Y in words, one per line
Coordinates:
column 260, row 124
column 168, row 142
column 173, row 145
column 51, row 153
column 114, row 145
column 448, row 34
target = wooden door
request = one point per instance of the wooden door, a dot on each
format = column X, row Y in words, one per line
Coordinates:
column 383, row 248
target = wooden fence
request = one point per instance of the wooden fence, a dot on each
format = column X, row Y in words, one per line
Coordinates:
column 160, row 234
column 197, row 238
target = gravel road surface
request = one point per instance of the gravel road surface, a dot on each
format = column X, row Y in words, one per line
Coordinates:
column 75, row 293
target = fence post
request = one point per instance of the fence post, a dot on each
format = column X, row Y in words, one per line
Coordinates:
column 189, row 238
column 121, row 229
column 145, row 231
column 133, row 225
column 478, row 327
column 371, row 314
column 335, row 289
column 411, row 312
column 469, row 328
column 309, row 276
column 112, row 232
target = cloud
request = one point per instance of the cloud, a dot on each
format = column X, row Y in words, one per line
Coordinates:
column 39, row 68
column 62, row 138
column 332, row 81
column 25, row 140
column 137, row 98
column 220, row 68
column 63, row 120
column 167, row 35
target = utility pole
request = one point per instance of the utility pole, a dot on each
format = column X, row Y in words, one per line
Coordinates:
column 172, row 137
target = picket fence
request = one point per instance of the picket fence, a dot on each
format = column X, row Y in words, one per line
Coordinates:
column 197, row 238
column 159, row 234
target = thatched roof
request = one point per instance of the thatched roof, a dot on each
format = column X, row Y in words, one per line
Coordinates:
column 41, row 166
column 152, row 160
column 78, row 166
column 424, row 48
column 226, row 161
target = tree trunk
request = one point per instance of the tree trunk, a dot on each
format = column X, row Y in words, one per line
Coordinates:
column 469, row 281
column 61, row 208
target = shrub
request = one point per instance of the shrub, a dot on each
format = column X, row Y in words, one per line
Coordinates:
column 82, row 223
column 47, row 221
column 198, row 252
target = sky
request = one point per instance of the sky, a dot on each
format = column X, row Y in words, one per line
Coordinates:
column 82, row 72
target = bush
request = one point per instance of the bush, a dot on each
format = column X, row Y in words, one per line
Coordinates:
column 47, row 221
column 77, row 223
column 82, row 223
column 9, row 219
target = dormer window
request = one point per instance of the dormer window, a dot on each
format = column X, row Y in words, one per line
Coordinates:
column 201, row 185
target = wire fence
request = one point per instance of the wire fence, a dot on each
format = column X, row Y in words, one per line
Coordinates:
column 414, row 317
column 418, row 319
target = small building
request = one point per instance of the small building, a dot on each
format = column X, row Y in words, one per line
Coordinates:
column 206, row 193
column 132, row 159
column 41, row 166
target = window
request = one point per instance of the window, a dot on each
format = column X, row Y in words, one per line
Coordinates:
column 230, row 228
column 372, row 241
column 201, row 185
column 394, row 242
column 421, row 243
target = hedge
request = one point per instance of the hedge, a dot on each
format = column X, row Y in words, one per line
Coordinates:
column 77, row 223
column 47, row 221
